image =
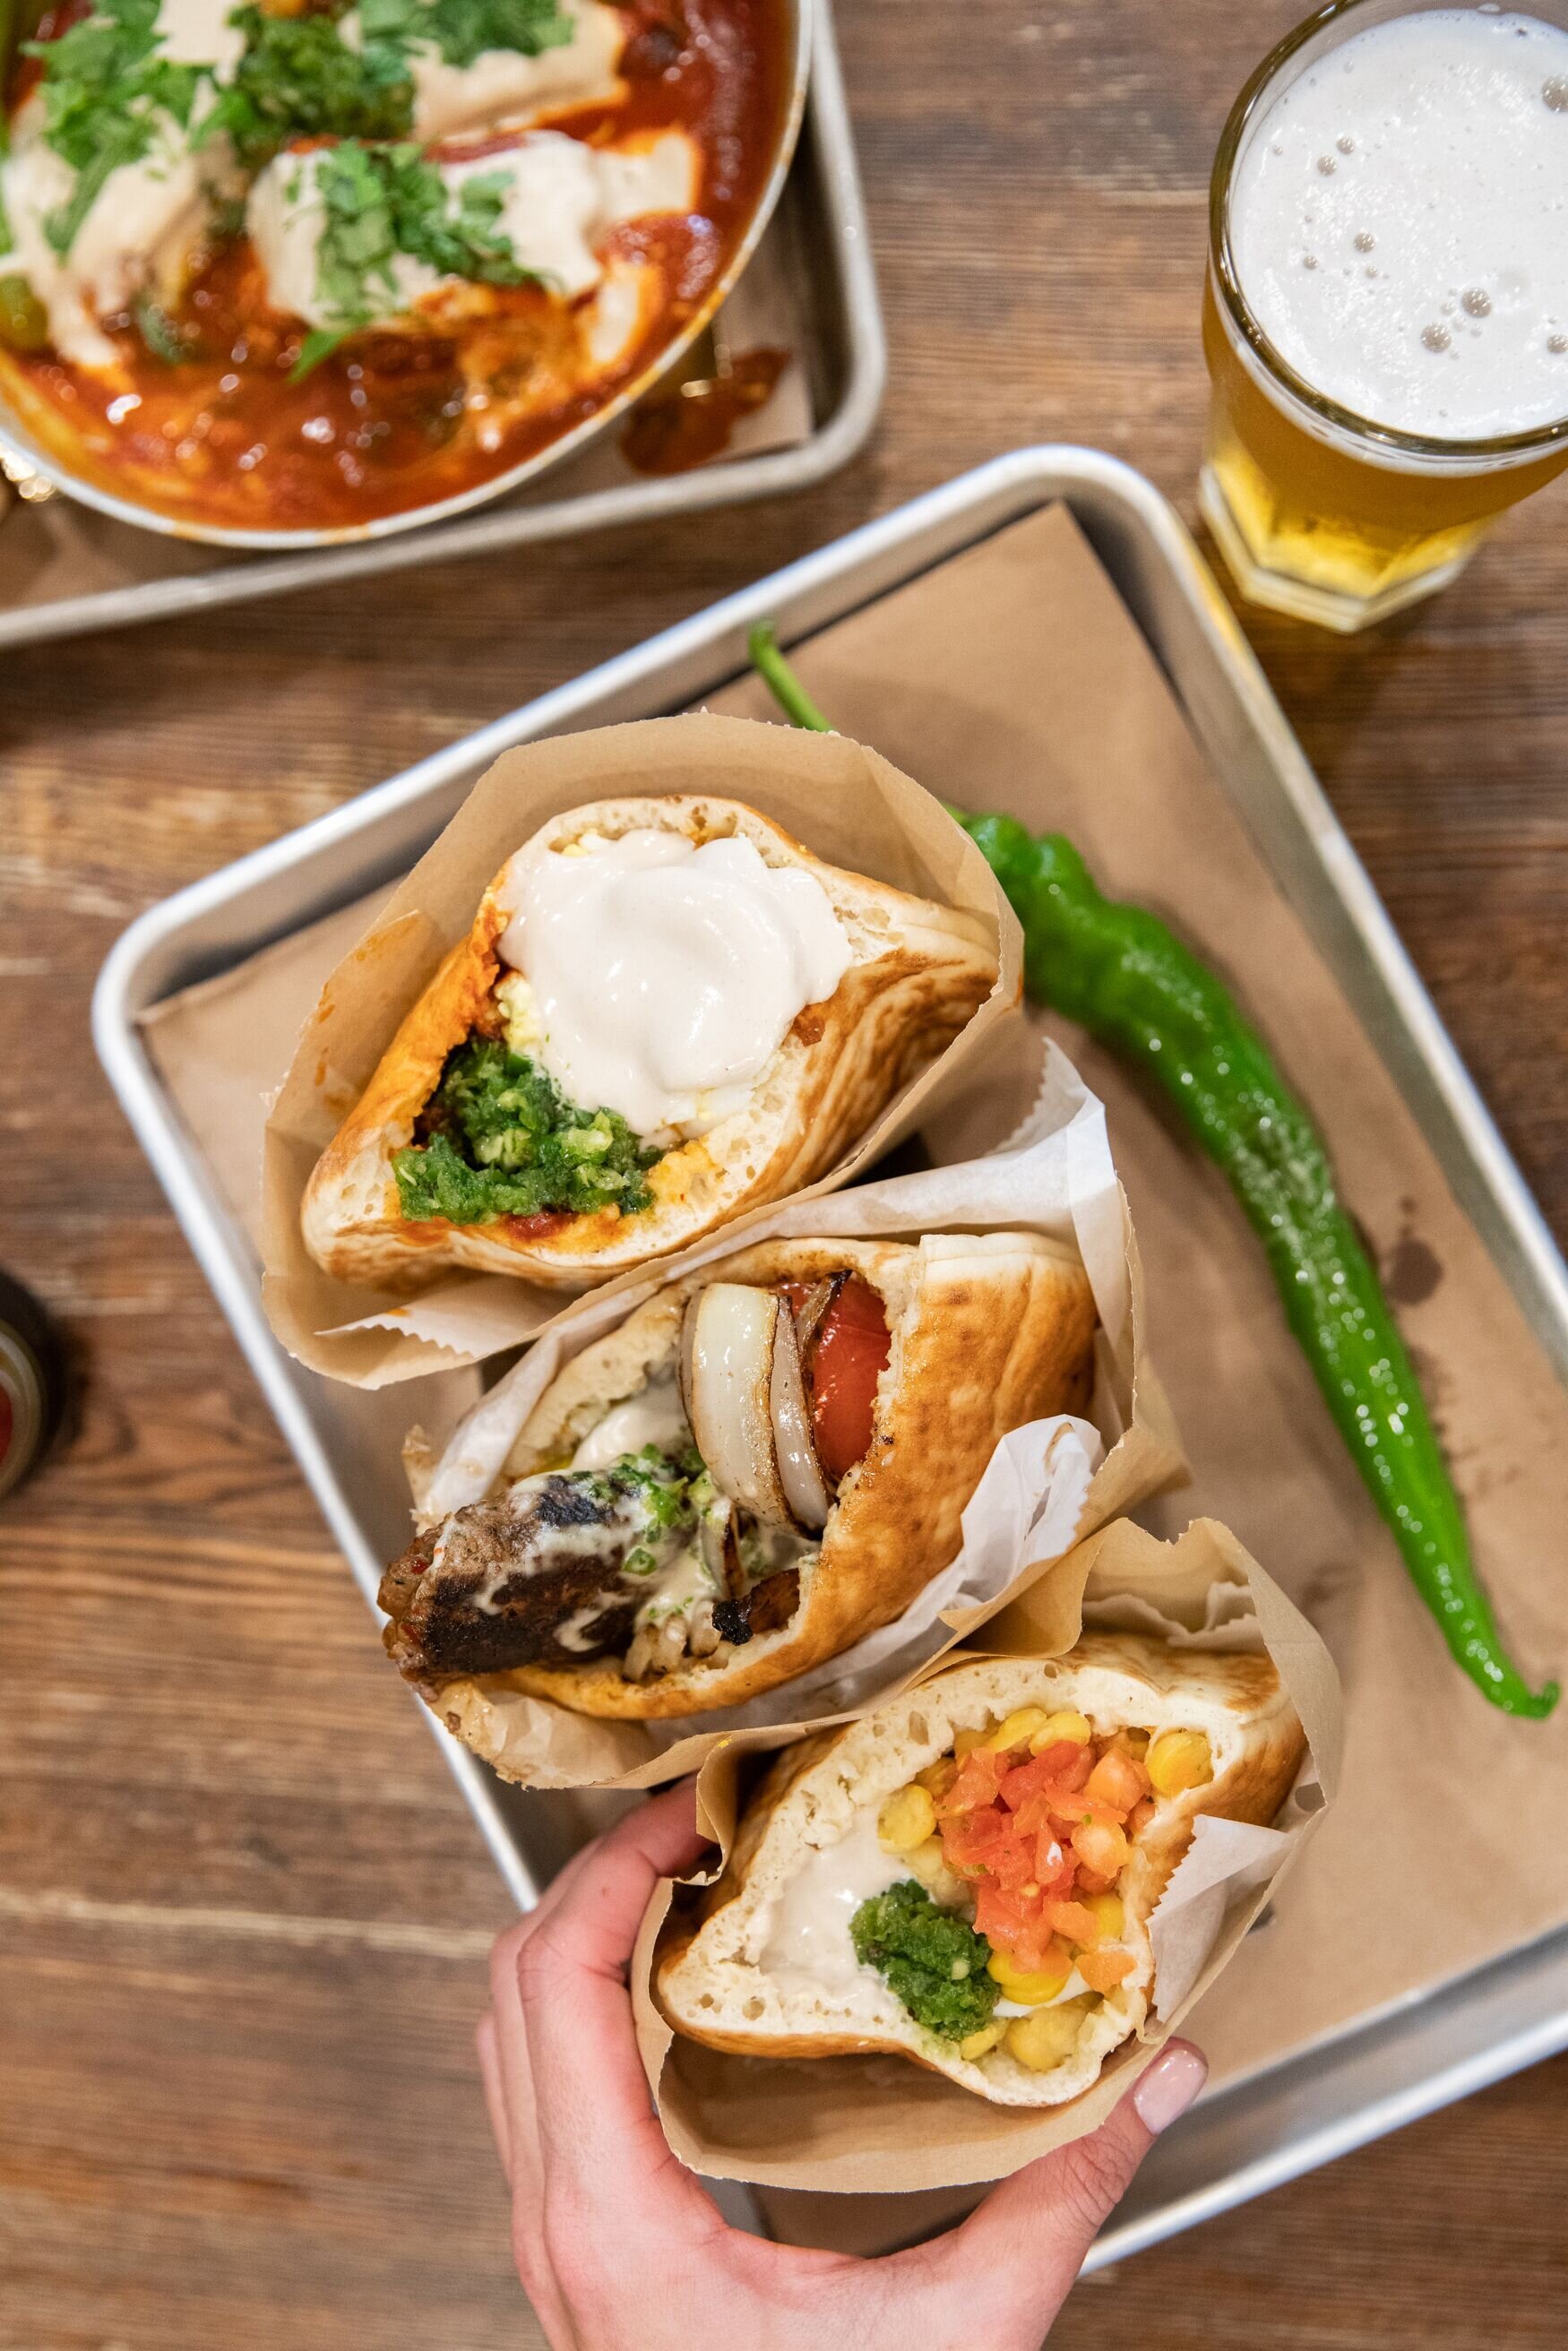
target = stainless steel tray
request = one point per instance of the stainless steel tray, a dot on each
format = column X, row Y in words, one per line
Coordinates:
column 1270, row 2127
column 817, row 241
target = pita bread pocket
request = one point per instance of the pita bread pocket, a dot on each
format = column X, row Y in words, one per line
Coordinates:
column 814, row 1416
column 842, row 1847
column 754, row 960
column 1228, row 1670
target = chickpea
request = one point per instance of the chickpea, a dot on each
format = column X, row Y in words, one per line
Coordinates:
column 1018, row 1728
column 1067, row 1724
column 906, row 1820
column 1048, row 2036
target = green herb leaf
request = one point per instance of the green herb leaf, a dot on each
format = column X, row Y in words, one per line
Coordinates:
column 468, row 243
column 109, row 98
column 465, row 29
column 162, row 338
column 380, row 201
column 320, row 344
column 462, row 30
column 299, row 78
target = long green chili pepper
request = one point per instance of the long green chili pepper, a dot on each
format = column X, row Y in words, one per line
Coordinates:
column 1119, row 971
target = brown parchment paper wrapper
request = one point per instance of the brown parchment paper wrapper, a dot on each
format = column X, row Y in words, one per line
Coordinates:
column 1047, row 1485
column 880, row 2124
column 850, row 806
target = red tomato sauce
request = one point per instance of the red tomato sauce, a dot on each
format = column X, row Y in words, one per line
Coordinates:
column 382, row 425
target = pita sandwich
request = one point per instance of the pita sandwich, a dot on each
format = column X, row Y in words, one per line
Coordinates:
column 765, row 1462
column 966, row 1876
column 739, row 1010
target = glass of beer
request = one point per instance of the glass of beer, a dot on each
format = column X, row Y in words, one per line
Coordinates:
column 1385, row 318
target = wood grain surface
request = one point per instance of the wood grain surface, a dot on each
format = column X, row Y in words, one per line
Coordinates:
column 243, row 1913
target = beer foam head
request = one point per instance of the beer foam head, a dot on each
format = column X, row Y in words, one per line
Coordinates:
column 1399, row 223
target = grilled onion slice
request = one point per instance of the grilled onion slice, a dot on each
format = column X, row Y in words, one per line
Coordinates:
column 729, row 1359
column 746, row 1399
column 799, row 1471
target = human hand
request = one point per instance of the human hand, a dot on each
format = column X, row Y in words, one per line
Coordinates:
column 616, row 2244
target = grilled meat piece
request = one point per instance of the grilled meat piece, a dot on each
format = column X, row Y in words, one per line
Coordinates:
column 533, row 1576
column 765, row 1608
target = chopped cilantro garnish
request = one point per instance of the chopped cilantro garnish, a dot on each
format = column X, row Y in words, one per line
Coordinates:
column 108, row 97
column 158, row 332
column 462, row 30
column 381, row 202
column 299, row 79
column 931, row 1958
column 505, row 1142
column 670, row 1490
column 320, row 344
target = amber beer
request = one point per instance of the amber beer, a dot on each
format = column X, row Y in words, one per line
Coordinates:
column 1385, row 320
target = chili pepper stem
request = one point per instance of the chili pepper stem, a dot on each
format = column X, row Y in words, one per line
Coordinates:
column 781, row 681
column 1136, row 987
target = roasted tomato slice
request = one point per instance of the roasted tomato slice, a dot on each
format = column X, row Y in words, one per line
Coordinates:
column 842, row 1367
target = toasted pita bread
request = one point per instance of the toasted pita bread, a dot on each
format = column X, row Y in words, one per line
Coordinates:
column 987, row 1333
column 713, row 1973
column 919, row 972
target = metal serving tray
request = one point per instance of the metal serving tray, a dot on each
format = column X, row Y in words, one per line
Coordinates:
column 817, row 243
column 1371, row 2079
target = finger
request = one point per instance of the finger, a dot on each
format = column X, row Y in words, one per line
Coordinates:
column 558, row 1888
column 596, row 2120
column 519, row 2113
column 1028, row 2238
column 494, row 2097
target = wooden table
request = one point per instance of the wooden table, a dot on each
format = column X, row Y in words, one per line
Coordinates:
column 244, row 1914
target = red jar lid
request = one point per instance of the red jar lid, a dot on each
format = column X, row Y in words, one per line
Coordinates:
column 23, row 1407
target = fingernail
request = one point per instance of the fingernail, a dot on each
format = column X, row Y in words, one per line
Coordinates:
column 1170, row 2085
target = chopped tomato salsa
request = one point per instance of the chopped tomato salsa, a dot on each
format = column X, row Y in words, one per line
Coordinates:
column 1036, row 1837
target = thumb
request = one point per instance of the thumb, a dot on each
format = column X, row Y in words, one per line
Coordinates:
column 1048, row 2214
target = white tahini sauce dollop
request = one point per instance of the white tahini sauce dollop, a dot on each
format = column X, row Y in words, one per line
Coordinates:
column 664, row 975
column 655, row 1416
column 810, row 1941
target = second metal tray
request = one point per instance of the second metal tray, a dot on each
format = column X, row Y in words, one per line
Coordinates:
column 819, row 245
column 1262, row 2129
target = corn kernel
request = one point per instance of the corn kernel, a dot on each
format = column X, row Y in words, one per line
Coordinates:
column 987, row 2038
column 1030, row 1989
column 1179, row 1759
column 937, row 1777
column 1136, row 1743
column 1109, row 1918
column 1044, row 2039
column 1065, row 1725
column 906, row 1820
column 966, row 1742
column 1019, row 1726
